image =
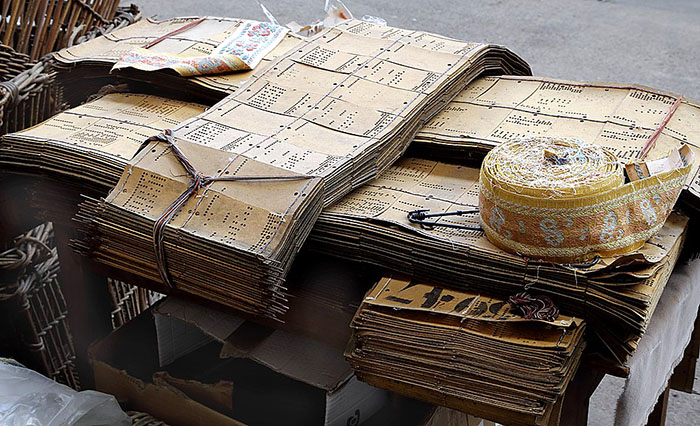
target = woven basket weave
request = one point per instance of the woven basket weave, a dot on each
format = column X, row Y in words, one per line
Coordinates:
column 27, row 98
column 28, row 93
column 143, row 419
column 39, row 27
column 128, row 301
column 35, row 328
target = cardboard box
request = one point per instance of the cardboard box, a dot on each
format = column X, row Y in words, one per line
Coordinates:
column 184, row 328
column 127, row 363
column 307, row 382
column 254, row 375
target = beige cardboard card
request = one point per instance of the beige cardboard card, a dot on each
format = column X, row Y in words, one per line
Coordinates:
column 115, row 124
column 405, row 294
column 328, row 105
column 628, row 120
column 251, row 215
column 187, row 43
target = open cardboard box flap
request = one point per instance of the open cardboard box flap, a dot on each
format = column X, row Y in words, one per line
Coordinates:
column 300, row 358
column 183, row 327
column 126, row 363
column 136, row 384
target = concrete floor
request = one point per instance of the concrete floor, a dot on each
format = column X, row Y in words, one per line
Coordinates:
column 650, row 42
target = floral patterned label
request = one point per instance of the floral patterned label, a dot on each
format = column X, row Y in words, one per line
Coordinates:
column 242, row 50
column 252, row 41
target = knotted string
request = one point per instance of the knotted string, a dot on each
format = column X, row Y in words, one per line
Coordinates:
column 197, row 182
column 538, row 307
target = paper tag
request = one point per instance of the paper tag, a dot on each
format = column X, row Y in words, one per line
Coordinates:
column 644, row 169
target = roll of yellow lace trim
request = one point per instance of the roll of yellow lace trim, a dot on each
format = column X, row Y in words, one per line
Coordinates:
column 564, row 200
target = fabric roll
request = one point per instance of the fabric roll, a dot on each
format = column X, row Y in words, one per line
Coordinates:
column 564, row 200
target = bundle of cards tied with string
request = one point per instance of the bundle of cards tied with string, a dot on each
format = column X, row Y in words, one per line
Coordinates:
column 345, row 103
column 464, row 351
column 341, row 106
column 202, row 221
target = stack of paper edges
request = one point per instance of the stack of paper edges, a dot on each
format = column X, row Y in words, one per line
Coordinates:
column 232, row 243
column 91, row 144
column 344, row 104
column 88, row 65
column 464, row 351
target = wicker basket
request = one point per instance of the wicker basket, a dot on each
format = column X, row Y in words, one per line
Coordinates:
column 28, row 98
column 143, row 419
column 129, row 300
column 28, row 94
column 12, row 63
column 35, row 327
column 53, row 24
column 126, row 15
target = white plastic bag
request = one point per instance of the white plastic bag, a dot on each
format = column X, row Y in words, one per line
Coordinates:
column 29, row 399
column 336, row 12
